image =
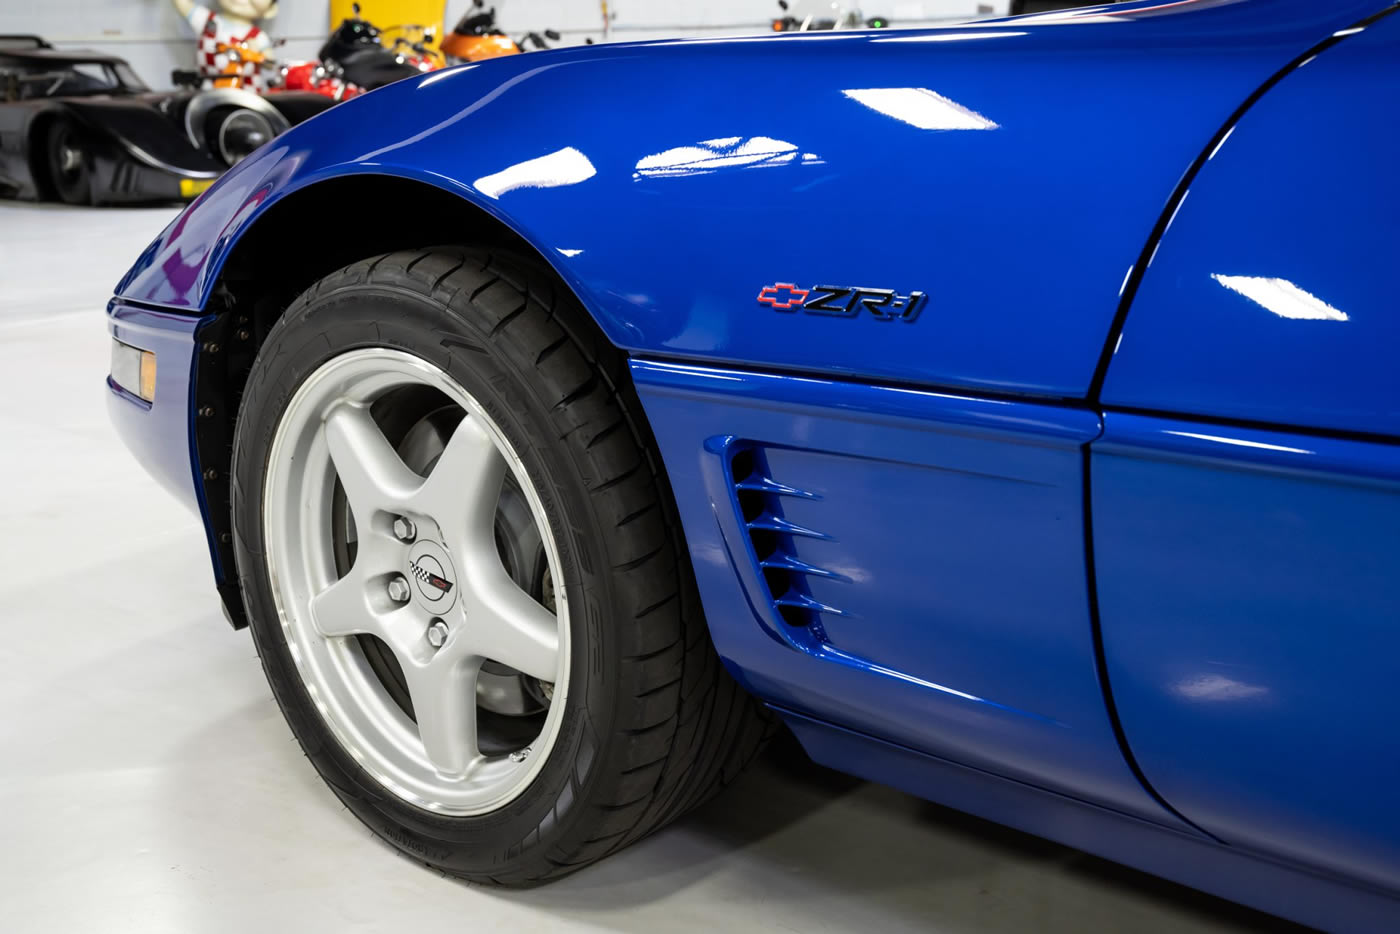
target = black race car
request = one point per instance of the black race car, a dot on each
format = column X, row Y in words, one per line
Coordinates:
column 80, row 127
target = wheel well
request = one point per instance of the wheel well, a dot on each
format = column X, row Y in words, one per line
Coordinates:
column 299, row 240
column 317, row 230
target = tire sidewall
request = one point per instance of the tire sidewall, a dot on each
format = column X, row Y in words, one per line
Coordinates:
column 79, row 191
column 352, row 317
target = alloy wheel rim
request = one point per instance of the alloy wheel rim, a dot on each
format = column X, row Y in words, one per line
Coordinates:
column 462, row 608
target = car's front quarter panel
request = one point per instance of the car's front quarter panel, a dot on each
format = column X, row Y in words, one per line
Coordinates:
column 669, row 183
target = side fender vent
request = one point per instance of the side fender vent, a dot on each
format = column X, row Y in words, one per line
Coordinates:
column 776, row 541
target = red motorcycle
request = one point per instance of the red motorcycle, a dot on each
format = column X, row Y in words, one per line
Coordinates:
column 326, row 78
column 354, row 60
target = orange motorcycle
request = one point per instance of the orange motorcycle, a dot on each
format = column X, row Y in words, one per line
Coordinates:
column 476, row 37
column 234, row 74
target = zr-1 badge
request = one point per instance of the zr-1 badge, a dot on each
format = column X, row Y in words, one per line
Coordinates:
column 843, row 301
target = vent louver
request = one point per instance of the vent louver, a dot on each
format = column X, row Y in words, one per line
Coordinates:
column 775, row 540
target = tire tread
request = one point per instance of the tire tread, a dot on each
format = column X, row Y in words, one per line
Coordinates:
column 712, row 728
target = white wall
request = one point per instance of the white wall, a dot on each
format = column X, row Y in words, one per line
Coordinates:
column 149, row 33
column 155, row 39
column 653, row 19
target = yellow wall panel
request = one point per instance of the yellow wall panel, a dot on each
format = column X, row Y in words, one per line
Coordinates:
column 393, row 15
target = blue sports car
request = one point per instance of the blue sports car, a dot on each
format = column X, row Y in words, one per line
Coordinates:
column 1008, row 409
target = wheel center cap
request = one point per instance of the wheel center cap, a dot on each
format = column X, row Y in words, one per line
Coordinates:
column 434, row 578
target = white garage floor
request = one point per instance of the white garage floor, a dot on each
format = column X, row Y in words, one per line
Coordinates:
column 147, row 783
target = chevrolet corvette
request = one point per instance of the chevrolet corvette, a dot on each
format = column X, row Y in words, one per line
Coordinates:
column 1007, row 409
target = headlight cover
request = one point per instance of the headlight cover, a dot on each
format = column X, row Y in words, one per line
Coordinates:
column 134, row 370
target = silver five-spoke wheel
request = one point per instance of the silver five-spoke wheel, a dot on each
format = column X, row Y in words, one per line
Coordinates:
column 413, row 569
column 458, row 557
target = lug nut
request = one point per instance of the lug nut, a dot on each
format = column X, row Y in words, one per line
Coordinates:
column 437, row 633
column 404, row 530
column 398, row 589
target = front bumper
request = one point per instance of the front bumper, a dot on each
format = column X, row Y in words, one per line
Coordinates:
column 160, row 433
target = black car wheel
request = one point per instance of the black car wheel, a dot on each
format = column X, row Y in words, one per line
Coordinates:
column 69, row 161
column 235, row 133
column 464, row 573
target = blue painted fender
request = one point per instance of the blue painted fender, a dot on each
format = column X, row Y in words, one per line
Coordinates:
column 1011, row 170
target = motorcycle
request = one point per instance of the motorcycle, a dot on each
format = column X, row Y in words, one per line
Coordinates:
column 357, row 47
column 476, row 37
column 810, row 15
column 235, row 74
column 326, row 78
column 353, row 60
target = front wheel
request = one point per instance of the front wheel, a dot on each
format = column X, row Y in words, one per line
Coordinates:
column 69, row 158
column 463, row 571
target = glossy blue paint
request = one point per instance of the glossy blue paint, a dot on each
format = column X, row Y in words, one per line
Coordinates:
column 1271, row 298
column 901, row 571
column 1308, row 897
column 159, row 433
column 955, row 526
column 667, row 191
column 1250, row 605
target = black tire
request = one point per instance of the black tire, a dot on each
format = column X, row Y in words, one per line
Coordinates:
column 68, row 156
column 655, row 725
